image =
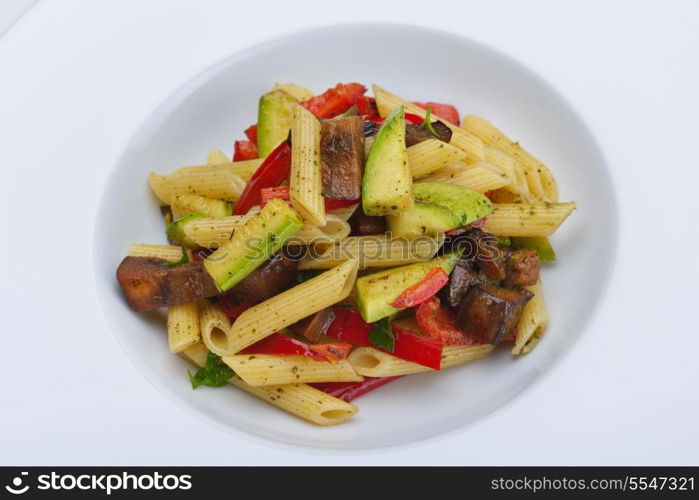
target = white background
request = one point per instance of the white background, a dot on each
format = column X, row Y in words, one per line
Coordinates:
column 78, row 77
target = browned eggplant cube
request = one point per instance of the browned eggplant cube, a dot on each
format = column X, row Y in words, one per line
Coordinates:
column 342, row 157
column 490, row 312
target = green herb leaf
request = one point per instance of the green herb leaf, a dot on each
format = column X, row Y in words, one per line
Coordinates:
column 183, row 260
column 307, row 274
column 381, row 335
column 505, row 241
column 427, row 122
column 214, row 374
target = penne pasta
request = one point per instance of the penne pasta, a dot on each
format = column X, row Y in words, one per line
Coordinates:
column 216, row 181
column 173, row 253
column 305, row 179
column 521, row 219
column 532, row 323
column 297, row 91
column 216, row 156
column 211, row 232
column 267, row 369
column 301, row 400
column 476, row 177
column 215, row 328
column 372, row 251
column 371, row 362
column 290, row 306
column 244, row 168
column 182, row 326
column 539, row 178
column 431, row 155
column 460, row 138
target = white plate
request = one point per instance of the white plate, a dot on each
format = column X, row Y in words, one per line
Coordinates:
column 215, row 108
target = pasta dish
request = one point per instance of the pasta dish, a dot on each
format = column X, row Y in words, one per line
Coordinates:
column 349, row 241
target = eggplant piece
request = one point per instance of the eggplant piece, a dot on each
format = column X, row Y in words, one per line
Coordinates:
column 416, row 133
column 366, row 224
column 370, row 128
column 342, row 157
column 315, row 326
column 490, row 312
column 522, row 267
column 461, row 280
column 268, row 280
column 481, row 249
column 149, row 283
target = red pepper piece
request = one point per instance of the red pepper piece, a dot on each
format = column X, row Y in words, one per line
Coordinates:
column 281, row 345
column 422, row 291
column 438, row 323
column 334, row 351
column 271, row 193
column 233, row 307
column 335, row 101
column 271, row 173
column 348, row 391
column 251, row 133
column 244, row 150
column 445, row 111
column 349, row 326
column 331, row 204
column 366, row 106
column 410, row 346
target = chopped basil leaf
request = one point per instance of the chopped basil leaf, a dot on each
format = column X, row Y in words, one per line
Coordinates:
column 381, row 335
column 214, row 374
column 183, row 260
column 506, row 242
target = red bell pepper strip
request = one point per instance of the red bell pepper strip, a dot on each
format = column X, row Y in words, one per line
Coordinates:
column 281, row 345
column 424, row 351
column 251, row 133
column 445, row 111
column 334, row 351
column 348, row 391
column 334, row 101
column 232, row 306
column 272, row 172
column 270, row 193
column 244, row 150
column 438, row 323
column 349, row 326
column 422, row 291
column 331, row 204
column 410, row 119
column 366, row 106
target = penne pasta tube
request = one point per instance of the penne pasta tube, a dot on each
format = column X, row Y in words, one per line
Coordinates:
column 173, row 253
column 521, row 219
column 532, row 323
column 183, row 326
column 215, row 328
column 244, row 168
column 431, row 155
column 539, row 178
column 210, row 232
column 290, row 306
column 460, row 138
column 216, row 181
column 476, row 177
column 305, row 179
column 301, row 400
column 371, row 362
column 297, row 91
column 267, row 369
column 217, row 156
column 372, row 251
